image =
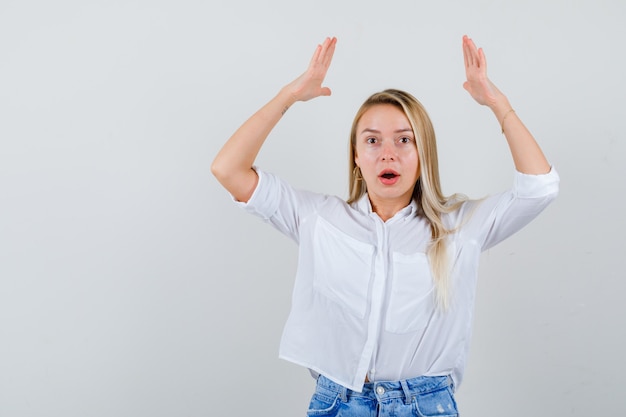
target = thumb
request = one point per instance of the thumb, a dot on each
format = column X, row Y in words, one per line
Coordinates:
column 326, row 91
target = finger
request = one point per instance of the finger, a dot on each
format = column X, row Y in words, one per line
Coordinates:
column 472, row 52
column 325, row 91
column 466, row 53
column 315, row 56
column 482, row 59
column 330, row 52
column 318, row 56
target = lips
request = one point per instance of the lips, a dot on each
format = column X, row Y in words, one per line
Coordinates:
column 388, row 176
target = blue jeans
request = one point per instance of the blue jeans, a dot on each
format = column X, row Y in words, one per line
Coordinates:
column 423, row 396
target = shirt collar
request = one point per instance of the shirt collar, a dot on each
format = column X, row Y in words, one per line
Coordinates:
column 364, row 205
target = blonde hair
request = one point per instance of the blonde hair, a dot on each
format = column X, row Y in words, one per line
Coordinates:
column 427, row 191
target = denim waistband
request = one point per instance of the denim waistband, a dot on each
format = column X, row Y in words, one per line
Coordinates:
column 406, row 388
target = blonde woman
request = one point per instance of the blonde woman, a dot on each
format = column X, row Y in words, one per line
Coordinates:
column 384, row 295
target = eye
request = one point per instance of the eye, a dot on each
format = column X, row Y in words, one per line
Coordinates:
column 405, row 139
column 371, row 140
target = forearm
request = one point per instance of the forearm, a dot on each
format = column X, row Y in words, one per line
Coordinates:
column 527, row 155
column 233, row 164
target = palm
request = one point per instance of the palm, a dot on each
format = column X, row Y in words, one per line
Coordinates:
column 478, row 84
column 309, row 84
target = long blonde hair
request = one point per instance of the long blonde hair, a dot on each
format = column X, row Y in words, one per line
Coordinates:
column 427, row 191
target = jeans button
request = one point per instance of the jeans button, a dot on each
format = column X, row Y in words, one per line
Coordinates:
column 380, row 390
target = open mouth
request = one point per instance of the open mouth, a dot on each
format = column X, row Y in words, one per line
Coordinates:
column 388, row 177
column 389, row 174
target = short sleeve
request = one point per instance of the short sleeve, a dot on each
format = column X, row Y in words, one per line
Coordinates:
column 262, row 203
column 278, row 203
column 532, row 186
column 497, row 217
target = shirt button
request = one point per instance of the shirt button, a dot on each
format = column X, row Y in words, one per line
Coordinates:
column 380, row 390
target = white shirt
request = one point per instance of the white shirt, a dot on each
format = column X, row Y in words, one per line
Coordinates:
column 363, row 300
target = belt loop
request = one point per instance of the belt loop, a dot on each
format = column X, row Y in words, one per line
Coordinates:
column 407, row 393
column 451, row 383
column 344, row 394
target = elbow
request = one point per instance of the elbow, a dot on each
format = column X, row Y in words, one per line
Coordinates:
column 217, row 169
column 239, row 182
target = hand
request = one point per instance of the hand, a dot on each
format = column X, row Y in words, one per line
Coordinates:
column 478, row 85
column 309, row 84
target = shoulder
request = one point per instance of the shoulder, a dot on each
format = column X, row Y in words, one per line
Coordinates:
column 273, row 193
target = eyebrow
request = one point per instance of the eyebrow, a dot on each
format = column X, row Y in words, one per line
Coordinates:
column 368, row 130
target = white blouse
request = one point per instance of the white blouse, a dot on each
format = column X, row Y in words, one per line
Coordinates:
column 363, row 301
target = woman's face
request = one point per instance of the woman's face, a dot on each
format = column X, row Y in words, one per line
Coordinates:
column 386, row 153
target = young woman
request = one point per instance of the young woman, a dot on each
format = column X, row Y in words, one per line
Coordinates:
column 384, row 294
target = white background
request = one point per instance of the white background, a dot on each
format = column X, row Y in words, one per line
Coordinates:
column 130, row 285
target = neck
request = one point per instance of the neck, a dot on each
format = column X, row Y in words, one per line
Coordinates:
column 386, row 209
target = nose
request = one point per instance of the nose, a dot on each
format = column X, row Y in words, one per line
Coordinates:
column 388, row 151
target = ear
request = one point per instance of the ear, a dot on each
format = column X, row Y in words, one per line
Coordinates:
column 356, row 160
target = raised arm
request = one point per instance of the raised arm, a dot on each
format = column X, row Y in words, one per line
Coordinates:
column 233, row 164
column 527, row 155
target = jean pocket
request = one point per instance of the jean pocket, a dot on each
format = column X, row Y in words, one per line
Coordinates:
column 324, row 405
column 411, row 303
column 342, row 267
column 439, row 403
